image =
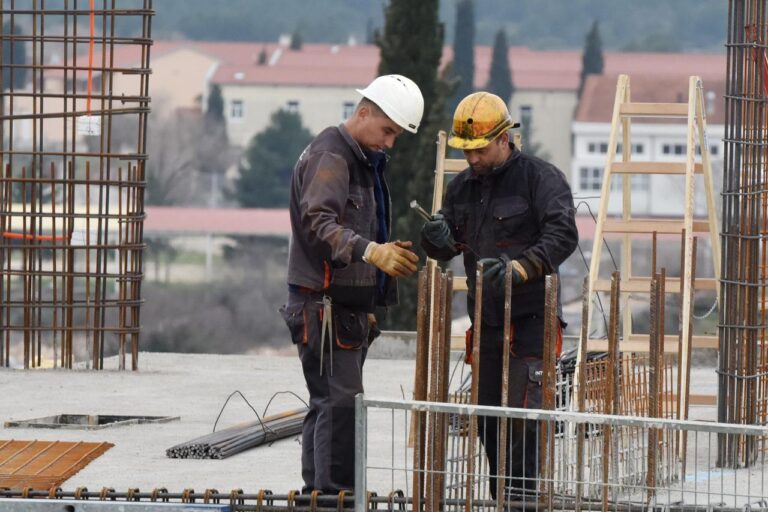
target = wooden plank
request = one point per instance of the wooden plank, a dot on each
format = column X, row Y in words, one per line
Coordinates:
column 459, row 284
column 668, row 168
column 664, row 226
column 40, row 457
column 639, row 343
column 643, row 285
column 454, row 165
column 654, row 109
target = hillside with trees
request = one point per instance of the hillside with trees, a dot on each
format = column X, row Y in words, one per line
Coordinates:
column 655, row 25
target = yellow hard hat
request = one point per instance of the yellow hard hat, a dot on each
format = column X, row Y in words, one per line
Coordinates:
column 480, row 118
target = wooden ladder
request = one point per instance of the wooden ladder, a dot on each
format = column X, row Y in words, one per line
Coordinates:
column 686, row 227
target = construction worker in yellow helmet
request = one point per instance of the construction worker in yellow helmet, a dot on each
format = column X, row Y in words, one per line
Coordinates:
column 507, row 206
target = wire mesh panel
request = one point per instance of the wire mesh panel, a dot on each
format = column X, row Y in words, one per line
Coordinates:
column 73, row 118
column 701, row 486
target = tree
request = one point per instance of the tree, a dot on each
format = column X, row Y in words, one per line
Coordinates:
column 265, row 174
column 296, row 40
column 463, row 51
column 213, row 147
column 592, row 58
column 411, row 44
column 14, row 52
column 500, row 78
column 172, row 163
column 530, row 146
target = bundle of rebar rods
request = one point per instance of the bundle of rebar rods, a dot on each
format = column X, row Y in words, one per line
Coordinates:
column 231, row 441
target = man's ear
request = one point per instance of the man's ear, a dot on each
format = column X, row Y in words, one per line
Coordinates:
column 363, row 112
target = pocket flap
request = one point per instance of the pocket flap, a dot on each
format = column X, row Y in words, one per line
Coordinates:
column 509, row 208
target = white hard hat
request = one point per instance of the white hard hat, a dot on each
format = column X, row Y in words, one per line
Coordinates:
column 399, row 97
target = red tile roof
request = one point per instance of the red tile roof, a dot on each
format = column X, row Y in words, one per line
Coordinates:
column 354, row 66
column 596, row 104
column 221, row 221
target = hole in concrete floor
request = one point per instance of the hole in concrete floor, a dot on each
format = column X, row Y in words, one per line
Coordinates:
column 88, row 421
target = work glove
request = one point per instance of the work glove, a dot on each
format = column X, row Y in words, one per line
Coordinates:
column 393, row 258
column 437, row 232
column 495, row 273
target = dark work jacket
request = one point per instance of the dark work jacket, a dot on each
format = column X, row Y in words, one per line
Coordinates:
column 333, row 218
column 524, row 209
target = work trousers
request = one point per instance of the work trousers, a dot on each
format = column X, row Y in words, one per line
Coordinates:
column 524, row 391
column 328, row 437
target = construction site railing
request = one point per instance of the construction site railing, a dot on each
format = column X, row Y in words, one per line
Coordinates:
column 587, row 461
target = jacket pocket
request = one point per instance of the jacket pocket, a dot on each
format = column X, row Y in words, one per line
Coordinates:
column 351, row 327
column 357, row 214
column 509, row 215
column 535, row 378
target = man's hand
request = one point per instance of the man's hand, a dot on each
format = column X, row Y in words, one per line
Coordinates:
column 495, row 273
column 393, row 258
column 438, row 233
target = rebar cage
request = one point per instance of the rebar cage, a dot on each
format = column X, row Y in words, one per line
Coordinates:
column 73, row 123
column 743, row 361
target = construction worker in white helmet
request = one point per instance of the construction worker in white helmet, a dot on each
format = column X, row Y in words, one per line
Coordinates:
column 341, row 265
column 506, row 206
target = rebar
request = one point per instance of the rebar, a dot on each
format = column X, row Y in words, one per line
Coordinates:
column 71, row 187
column 743, row 385
column 231, row 441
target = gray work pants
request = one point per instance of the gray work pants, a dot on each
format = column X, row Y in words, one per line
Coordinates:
column 328, row 438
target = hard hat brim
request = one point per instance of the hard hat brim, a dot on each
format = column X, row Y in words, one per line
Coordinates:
column 467, row 144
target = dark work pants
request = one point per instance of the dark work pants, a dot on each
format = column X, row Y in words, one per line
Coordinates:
column 328, row 437
column 524, row 391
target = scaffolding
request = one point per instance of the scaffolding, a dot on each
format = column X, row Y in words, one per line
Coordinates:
column 73, row 122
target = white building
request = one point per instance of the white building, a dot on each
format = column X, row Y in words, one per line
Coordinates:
column 657, row 141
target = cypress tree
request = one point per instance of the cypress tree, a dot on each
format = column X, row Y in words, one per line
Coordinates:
column 500, row 78
column 411, row 44
column 215, row 108
column 463, row 51
column 16, row 55
column 592, row 58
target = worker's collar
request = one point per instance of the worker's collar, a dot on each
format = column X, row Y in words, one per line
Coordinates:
column 372, row 158
column 501, row 168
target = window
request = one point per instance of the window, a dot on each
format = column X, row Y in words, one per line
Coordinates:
column 638, row 183
column 293, row 106
column 637, row 149
column 236, row 109
column 346, row 110
column 590, row 178
column 714, row 150
column 673, row 149
column 526, row 113
column 592, row 147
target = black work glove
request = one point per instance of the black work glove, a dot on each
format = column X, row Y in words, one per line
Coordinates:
column 495, row 273
column 438, row 233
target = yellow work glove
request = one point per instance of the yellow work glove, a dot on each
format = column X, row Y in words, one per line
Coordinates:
column 393, row 258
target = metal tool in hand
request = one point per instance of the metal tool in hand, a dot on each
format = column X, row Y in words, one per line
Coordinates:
column 426, row 216
column 326, row 332
column 421, row 211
